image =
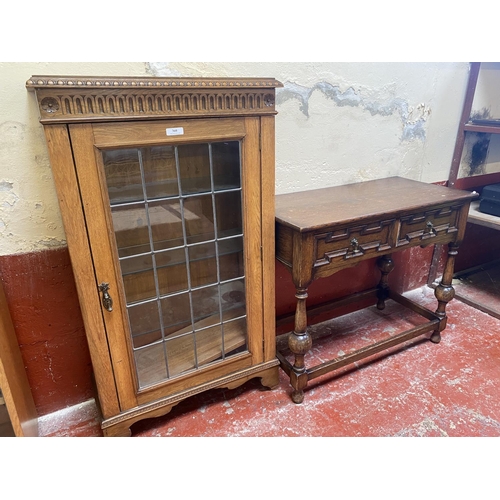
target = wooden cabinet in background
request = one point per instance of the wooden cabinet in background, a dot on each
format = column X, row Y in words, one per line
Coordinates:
column 166, row 188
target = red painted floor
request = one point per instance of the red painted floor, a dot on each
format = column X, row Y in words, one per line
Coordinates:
column 425, row 389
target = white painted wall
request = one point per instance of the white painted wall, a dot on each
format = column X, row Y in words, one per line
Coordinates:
column 337, row 123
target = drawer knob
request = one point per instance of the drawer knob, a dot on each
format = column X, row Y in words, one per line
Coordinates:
column 429, row 229
column 107, row 301
column 354, row 245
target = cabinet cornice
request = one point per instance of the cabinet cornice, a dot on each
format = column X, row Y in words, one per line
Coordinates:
column 67, row 99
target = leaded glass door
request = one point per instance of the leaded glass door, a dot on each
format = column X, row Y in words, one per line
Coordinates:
column 178, row 211
column 177, row 221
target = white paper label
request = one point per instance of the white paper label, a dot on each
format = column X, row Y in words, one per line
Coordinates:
column 175, row 131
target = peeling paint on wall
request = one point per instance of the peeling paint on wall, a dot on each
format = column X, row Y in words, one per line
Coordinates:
column 161, row 69
column 6, row 185
column 413, row 118
column 8, row 197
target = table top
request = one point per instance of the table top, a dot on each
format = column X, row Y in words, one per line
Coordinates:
column 313, row 209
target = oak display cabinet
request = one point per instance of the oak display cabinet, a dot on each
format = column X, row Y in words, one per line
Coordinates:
column 166, row 189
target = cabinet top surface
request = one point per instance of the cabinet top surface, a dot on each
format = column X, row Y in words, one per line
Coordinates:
column 310, row 210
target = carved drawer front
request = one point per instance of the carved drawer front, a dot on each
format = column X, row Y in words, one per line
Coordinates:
column 426, row 226
column 353, row 242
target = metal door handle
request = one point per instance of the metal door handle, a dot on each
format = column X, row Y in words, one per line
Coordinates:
column 107, row 301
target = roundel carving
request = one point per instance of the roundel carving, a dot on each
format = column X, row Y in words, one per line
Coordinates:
column 269, row 100
column 49, row 105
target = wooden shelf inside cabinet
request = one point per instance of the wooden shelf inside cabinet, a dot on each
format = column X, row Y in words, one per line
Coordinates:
column 166, row 188
column 483, row 126
column 482, row 219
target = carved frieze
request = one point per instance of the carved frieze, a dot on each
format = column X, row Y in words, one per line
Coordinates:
column 78, row 99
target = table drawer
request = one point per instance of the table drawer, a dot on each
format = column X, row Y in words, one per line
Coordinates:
column 424, row 227
column 354, row 242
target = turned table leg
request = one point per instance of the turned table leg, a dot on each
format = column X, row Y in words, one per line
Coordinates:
column 444, row 292
column 386, row 265
column 299, row 342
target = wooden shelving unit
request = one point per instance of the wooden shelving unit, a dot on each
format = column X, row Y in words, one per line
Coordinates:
column 469, row 124
column 477, row 285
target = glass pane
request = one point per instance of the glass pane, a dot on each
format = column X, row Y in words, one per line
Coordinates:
column 226, row 165
column 172, row 271
column 176, row 314
column 131, row 229
column 206, row 310
column 165, row 218
column 228, row 210
column 181, row 355
column 209, row 345
column 194, row 168
column 151, row 364
column 231, row 258
column 202, row 264
column 144, row 320
column 123, row 175
column 233, row 298
column 199, row 218
column 160, row 173
column 138, row 278
column 235, row 336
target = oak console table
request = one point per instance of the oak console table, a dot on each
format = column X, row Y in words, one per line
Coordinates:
column 322, row 231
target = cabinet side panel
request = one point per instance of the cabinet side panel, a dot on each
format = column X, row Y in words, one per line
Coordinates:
column 268, row 234
column 81, row 259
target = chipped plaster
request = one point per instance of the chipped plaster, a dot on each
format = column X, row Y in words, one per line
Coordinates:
column 413, row 118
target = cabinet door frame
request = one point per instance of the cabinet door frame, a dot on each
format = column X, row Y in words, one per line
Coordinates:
column 87, row 141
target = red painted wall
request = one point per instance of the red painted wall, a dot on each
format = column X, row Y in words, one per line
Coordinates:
column 44, row 307
column 42, row 299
